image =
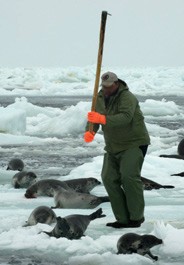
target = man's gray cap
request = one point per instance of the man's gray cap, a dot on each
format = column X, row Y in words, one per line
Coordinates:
column 108, row 79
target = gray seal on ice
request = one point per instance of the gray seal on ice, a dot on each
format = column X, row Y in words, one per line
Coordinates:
column 133, row 243
column 23, row 179
column 84, row 185
column 150, row 185
column 75, row 200
column 45, row 187
column 73, row 226
column 15, row 164
column 41, row 214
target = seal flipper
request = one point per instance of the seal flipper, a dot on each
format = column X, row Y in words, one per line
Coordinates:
column 58, row 205
column 17, row 186
column 173, row 156
column 151, row 255
column 181, row 174
column 54, row 207
column 168, row 187
column 104, row 199
column 97, row 214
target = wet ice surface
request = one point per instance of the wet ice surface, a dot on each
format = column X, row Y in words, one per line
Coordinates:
column 21, row 259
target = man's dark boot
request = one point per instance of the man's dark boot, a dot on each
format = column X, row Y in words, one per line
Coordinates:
column 116, row 224
column 131, row 223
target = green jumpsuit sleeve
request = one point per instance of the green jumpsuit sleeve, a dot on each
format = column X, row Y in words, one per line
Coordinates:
column 126, row 108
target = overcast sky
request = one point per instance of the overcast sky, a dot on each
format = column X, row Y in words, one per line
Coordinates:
column 60, row 33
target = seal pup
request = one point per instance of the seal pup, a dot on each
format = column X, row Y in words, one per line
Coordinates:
column 73, row 226
column 181, row 174
column 180, row 151
column 41, row 214
column 84, row 185
column 76, row 200
column 15, row 164
column 134, row 243
column 150, row 185
column 45, row 187
column 23, row 179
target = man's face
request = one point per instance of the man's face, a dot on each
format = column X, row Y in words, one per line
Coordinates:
column 110, row 90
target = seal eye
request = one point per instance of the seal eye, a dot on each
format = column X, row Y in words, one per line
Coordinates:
column 106, row 77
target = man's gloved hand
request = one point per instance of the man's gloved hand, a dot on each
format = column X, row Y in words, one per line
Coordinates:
column 96, row 117
column 89, row 136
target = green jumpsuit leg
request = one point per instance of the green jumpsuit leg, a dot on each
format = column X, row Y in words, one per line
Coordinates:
column 121, row 178
column 112, row 181
column 131, row 162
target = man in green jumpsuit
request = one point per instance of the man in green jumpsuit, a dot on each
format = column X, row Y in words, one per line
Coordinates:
column 126, row 142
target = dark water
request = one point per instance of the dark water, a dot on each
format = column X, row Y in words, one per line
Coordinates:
column 65, row 101
column 47, row 101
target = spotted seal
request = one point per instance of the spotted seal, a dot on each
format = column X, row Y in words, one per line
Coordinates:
column 23, row 179
column 84, row 185
column 45, row 187
column 72, row 199
column 150, row 185
column 41, row 214
column 133, row 243
column 73, row 226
